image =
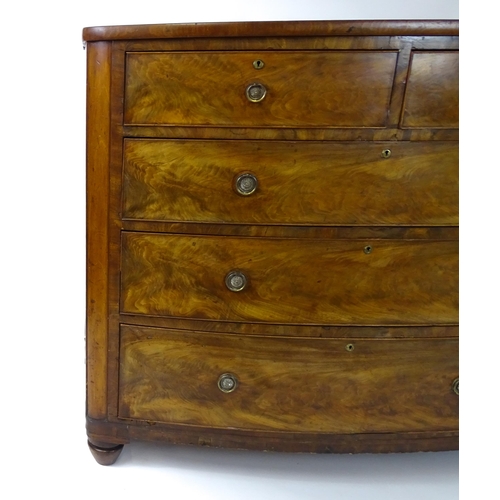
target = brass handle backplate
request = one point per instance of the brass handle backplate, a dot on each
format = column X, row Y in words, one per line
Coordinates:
column 246, row 184
column 256, row 92
column 454, row 386
column 236, row 281
column 227, row 382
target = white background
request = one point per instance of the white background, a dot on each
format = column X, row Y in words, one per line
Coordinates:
column 42, row 245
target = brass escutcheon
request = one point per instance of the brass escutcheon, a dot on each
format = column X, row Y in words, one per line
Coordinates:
column 368, row 249
column 386, row 153
column 349, row 347
column 258, row 64
column 454, row 386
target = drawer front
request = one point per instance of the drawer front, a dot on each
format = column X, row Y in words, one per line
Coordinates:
column 295, row 182
column 291, row 280
column 432, row 91
column 296, row 385
column 303, row 89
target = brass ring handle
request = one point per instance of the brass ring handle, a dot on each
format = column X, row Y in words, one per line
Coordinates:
column 454, row 386
column 246, row 184
column 256, row 92
column 227, row 382
column 236, row 281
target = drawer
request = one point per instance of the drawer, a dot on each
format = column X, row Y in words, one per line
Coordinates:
column 379, row 282
column 291, row 182
column 432, row 91
column 297, row 385
column 302, row 88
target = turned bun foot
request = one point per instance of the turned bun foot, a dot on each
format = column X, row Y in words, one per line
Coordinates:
column 105, row 455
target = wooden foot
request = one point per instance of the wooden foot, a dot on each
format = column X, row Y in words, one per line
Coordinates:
column 105, row 455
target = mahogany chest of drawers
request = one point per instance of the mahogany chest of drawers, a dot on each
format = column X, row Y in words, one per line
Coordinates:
column 272, row 237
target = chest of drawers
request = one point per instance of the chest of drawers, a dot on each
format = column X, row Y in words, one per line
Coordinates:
column 272, row 236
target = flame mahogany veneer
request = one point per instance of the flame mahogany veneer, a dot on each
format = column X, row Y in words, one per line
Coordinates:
column 272, row 236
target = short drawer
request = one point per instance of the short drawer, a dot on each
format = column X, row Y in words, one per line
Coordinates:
column 379, row 282
column 297, row 385
column 292, row 89
column 392, row 183
column 432, row 91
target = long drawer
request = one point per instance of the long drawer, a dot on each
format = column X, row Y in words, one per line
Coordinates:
column 261, row 182
column 298, row 385
column 290, row 89
column 379, row 282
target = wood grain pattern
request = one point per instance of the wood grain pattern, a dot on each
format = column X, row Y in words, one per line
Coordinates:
column 163, row 232
column 299, row 183
column 432, row 90
column 292, row 385
column 322, row 232
column 291, row 330
column 327, row 42
column 123, row 430
column 98, row 131
column 291, row 281
column 114, row 247
column 274, row 28
column 294, row 134
column 324, row 88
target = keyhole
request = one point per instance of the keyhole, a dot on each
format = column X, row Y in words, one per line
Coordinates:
column 367, row 249
column 258, row 64
column 386, row 153
column 349, row 347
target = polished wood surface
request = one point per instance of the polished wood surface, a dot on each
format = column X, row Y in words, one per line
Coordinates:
column 294, row 134
column 291, row 281
column 293, row 231
column 169, row 129
column 105, row 455
column 124, row 430
column 98, row 123
column 432, row 92
column 275, row 28
column 404, row 46
column 288, row 384
column 327, row 41
column 310, row 88
column 298, row 182
column 294, row 330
